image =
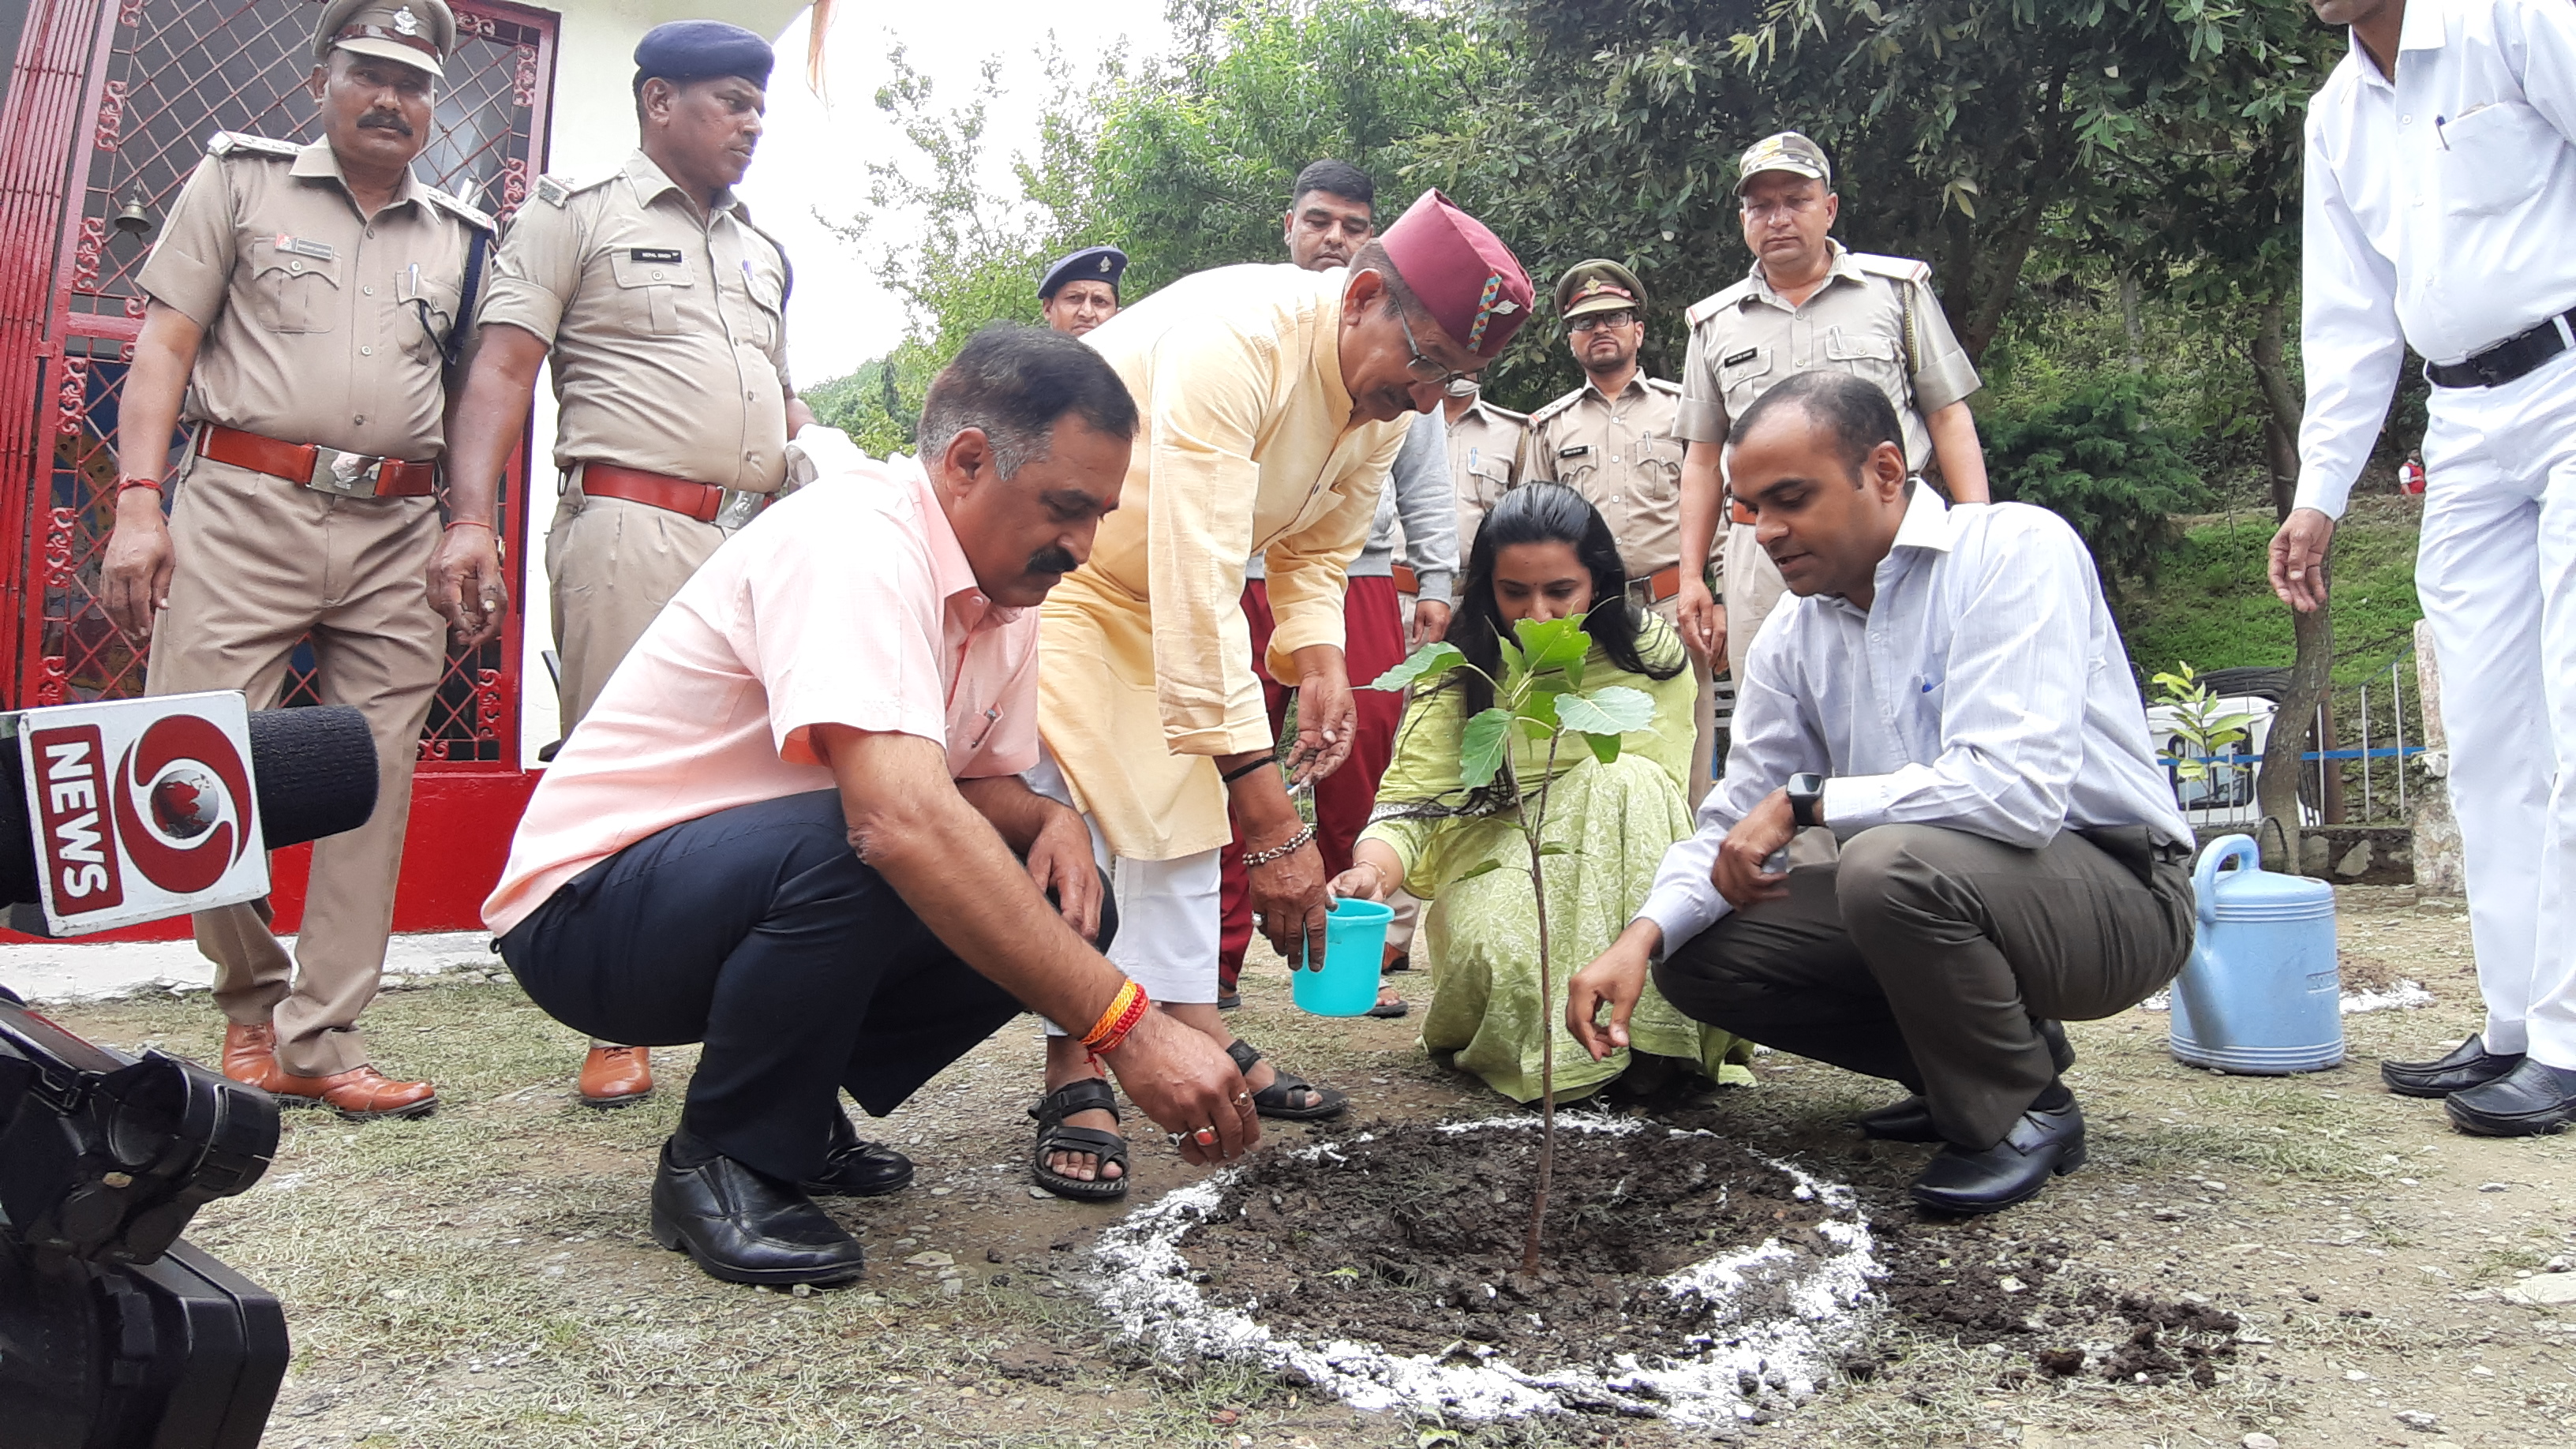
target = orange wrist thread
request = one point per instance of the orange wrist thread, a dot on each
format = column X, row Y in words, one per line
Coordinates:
column 1125, row 1009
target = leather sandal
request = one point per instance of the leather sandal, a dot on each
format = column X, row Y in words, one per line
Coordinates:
column 1274, row 1100
column 1091, row 1094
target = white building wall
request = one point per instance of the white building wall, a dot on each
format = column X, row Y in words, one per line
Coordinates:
column 591, row 131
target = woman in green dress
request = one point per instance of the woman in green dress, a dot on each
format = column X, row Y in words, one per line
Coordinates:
column 1543, row 553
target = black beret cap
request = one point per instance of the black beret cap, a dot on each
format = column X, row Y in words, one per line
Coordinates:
column 687, row 50
column 1091, row 264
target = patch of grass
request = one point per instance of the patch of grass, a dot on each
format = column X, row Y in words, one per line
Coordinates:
column 2211, row 603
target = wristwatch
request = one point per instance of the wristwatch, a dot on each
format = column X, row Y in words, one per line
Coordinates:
column 1806, row 793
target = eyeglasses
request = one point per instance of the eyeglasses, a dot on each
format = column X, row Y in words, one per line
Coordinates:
column 1455, row 384
column 1620, row 318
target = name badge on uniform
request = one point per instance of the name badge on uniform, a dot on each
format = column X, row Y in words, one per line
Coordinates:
column 1574, row 450
column 304, row 247
column 664, row 256
column 1747, row 355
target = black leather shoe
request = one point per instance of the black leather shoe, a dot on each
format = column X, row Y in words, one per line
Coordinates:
column 2470, row 1064
column 745, row 1228
column 2528, row 1101
column 858, row 1168
column 1906, row 1121
column 2040, row 1146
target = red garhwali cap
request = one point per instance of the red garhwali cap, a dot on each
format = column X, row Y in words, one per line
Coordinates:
column 1465, row 277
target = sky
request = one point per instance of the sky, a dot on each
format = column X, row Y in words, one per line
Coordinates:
column 813, row 157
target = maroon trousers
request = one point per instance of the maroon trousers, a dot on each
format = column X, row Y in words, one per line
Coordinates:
column 1373, row 643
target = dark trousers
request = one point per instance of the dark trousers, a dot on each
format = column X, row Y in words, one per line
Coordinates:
column 759, row 932
column 1926, row 955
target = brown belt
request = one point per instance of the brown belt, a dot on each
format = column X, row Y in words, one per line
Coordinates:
column 1405, row 582
column 701, row 501
column 1660, row 585
column 326, row 470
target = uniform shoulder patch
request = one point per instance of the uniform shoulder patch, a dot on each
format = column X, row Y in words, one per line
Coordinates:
column 1669, row 389
column 242, row 143
column 1543, row 415
column 556, row 191
column 1717, row 302
column 1902, row 269
column 479, row 220
column 1507, row 415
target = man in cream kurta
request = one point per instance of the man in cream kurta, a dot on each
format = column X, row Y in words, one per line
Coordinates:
column 1273, row 400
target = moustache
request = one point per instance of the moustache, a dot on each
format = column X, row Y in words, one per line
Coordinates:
column 1056, row 560
column 384, row 121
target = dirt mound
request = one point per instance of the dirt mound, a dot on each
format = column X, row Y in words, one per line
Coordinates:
column 1409, row 1237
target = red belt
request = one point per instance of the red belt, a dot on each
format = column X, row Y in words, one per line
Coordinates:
column 1405, row 582
column 1662, row 584
column 701, row 501
column 352, row 475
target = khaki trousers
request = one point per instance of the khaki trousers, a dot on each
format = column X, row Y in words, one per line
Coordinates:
column 1703, row 713
column 612, row 565
column 262, row 563
column 1929, row 955
column 1753, row 590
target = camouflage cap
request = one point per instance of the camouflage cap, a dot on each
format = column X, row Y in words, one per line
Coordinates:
column 1788, row 151
column 419, row 33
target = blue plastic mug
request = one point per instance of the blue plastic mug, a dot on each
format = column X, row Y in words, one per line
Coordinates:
column 1354, row 948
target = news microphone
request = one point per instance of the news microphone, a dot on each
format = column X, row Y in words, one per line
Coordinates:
column 313, row 773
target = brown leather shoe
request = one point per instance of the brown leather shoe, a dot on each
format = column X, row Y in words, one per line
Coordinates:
column 617, row 1076
column 359, row 1094
column 250, row 1052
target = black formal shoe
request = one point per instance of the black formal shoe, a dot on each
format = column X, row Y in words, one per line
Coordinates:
column 2040, row 1146
column 745, row 1228
column 2470, row 1064
column 2529, row 1101
column 858, row 1168
column 1906, row 1121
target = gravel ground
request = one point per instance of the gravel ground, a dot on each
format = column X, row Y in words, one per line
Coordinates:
column 484, row 1277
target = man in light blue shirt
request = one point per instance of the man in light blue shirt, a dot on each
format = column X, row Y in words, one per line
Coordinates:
column 1948, row 694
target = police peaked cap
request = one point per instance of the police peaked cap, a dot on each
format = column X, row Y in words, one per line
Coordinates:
column 1091, row 264
column 687, row 50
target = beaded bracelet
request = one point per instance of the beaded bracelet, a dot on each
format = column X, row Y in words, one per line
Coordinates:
column 1125, row 1009
column 1290, row 846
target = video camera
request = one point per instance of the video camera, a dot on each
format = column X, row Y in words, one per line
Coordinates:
column 113, row 1332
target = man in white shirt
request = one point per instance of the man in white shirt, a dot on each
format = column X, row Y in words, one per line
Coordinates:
column 2441, row 215
column 1948, row 694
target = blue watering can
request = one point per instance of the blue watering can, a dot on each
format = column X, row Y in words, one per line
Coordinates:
column 2262, row 994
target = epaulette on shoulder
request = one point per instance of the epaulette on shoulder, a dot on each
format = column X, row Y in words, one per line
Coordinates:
column 1716, row 302
column 1902, row 269
column 1543, row 415
column 556, row 191
column 479, row 220
column 242, row 143
column 1507, row 415
column 1670, row 389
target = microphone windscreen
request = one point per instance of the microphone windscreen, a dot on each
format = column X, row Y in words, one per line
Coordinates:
column 18, row 878
column 315, row 770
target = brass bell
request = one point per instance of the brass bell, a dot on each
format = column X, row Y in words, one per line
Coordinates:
column 132, row 219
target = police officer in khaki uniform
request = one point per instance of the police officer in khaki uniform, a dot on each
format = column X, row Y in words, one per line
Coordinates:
column 303, row 300
column 1612, row 440
column 662, row 309
column 1485, row 443
column 1807, row 303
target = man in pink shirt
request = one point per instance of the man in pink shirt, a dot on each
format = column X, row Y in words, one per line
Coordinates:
column 787, row 828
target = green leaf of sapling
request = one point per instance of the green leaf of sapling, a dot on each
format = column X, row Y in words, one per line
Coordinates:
column 1480, row 747
column 1613, row 709
column 1431, row 659
column 1605, row 748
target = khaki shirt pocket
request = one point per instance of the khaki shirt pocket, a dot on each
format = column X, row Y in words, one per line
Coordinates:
column 768, row 311
column 293, row 293
column 1659, row 466
column 1744, row 375
column 652, row 291
column 427, row 315
column 1488, row 479
column 2493, row 158
column 1880, row 360
column 1571, row 464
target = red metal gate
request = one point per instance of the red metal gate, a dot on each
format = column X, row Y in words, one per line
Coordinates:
column 108, row 109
